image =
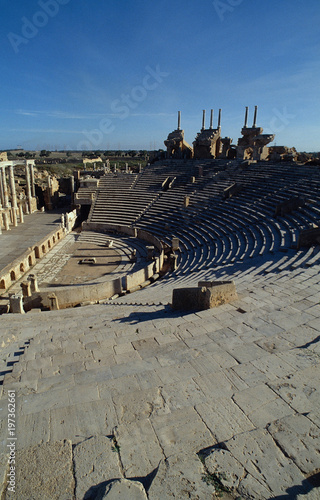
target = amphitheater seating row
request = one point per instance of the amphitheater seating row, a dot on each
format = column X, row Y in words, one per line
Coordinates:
column 213, row 231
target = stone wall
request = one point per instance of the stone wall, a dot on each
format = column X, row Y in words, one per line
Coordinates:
column 14, row 271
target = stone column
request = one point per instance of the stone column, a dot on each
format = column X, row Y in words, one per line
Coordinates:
column 33, row 187
column 1, row 190
column 13, row 188
column 255, row 117
column 13, row 196
column 28, row 187
column 0, row 222
column 5, row 188
column 21, row 216
column 246, row 118
column 72, row 188
column 211, row 119
column 203, row 119
column 219, row 119
column 14, row 217
column 179, row 120
column 6, row 221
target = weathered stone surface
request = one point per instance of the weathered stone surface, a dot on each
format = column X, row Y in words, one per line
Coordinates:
column 205, row 297
column 181, row 431
column 140, row 451
column 314, row 494
column 300, row 390
column 224, row 418
column 262, row 405
column 221, row 463
column 180, row 476
column 126, row 489
column 45, row 471
column 38, row 425
column 139, row 405
column 264, row 461
column 94, row 463
column 3, row 471
column 300, row 439
column 81, row 421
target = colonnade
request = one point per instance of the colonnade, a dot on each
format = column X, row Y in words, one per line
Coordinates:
column 11, row 210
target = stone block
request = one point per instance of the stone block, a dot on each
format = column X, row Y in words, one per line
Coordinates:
column 205, row 296
column 124, row 488
column 309, row 237
column 94, row 462
column 45, row 471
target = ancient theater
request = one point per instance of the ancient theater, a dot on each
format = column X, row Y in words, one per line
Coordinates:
column 160, row 333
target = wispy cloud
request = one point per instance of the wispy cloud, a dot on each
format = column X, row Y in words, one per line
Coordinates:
column 59, row 114
column 45, row 130
column 81, row 116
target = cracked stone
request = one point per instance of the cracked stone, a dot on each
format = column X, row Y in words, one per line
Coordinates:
column 223, row 463
column 94, row 461
column 124, row 488
column 300, row 440
column 180, row 476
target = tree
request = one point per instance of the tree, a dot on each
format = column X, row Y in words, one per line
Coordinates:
column 43, row 152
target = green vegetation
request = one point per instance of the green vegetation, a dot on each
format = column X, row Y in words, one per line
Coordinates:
column 59, row 170
column 215, row 480
column 115, row 446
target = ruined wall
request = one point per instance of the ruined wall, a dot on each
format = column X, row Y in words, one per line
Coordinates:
column 16, row 269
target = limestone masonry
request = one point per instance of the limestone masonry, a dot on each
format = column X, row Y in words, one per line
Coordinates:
column 160, row 337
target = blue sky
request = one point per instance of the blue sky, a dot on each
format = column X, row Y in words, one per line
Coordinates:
column 110, row 74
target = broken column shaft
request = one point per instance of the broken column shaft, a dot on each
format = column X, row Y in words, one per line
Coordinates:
column 255, row 117
column 203, row 119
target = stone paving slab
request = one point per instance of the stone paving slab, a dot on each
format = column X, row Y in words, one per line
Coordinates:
column 35, row 227
column 139, row 449
column 264, row 461
column 94, row 463
column 300, row 439
column 45, row 471
column 161, row 388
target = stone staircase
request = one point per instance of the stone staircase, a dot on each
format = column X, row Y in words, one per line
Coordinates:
column 187, row 393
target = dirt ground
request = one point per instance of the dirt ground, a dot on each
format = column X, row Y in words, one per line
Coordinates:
column 107, row 260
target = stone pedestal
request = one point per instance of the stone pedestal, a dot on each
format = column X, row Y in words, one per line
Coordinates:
column 26, row 288
column 206, row 296
column 54, row 304
column 16, row 304
column 33, row 283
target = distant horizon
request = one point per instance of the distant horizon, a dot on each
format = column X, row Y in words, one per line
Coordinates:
column 106, row 75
